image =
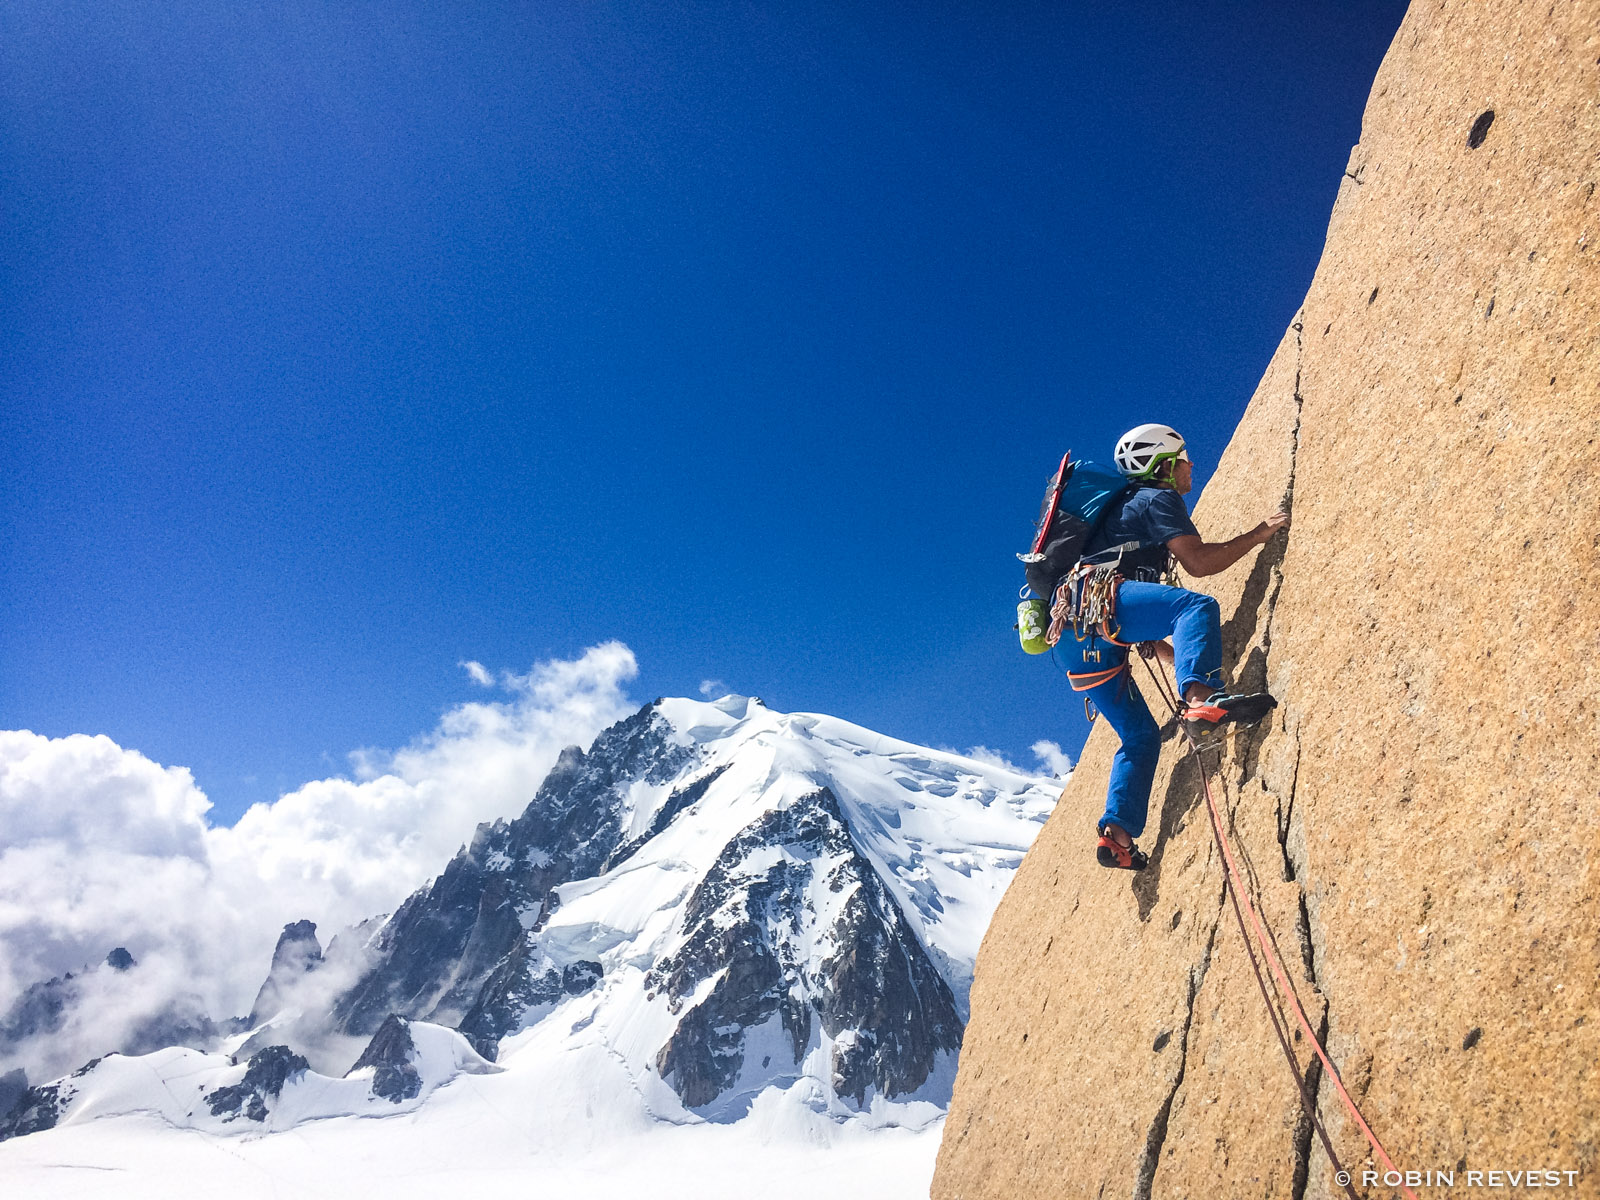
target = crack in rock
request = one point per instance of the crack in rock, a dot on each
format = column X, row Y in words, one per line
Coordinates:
column 1286, row 818
column 1304, row 1124
column 1293, row 869
column 1156, row 1138
column 1299, row 326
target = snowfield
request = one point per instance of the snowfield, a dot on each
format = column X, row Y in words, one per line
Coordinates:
column 563, row 1114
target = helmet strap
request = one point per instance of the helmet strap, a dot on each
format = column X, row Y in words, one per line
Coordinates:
column 1163, row 470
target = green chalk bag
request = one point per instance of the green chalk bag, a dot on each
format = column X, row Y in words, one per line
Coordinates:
column 1033, row 621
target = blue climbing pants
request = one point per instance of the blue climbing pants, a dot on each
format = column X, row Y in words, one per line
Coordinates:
column 1146, row 612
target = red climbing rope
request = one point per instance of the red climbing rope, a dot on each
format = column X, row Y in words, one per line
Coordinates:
column 1241, row 900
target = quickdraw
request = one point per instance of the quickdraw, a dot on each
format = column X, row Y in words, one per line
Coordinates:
column 1086, row 603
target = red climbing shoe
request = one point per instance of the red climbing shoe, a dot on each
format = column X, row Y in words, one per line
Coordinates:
column 1110, row 854
column 1206, row 716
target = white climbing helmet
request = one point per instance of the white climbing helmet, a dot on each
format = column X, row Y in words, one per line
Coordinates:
column 1141, row 451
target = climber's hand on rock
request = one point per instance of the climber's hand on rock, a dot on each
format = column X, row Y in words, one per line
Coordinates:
column 1278, row 520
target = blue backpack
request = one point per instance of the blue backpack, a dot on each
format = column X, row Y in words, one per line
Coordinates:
column 1074, row 504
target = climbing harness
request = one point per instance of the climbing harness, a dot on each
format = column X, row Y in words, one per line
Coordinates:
column 1089, row 680
column 1093, row 679
column 1242, row 907
column 1086, row 600
column 1086, row 603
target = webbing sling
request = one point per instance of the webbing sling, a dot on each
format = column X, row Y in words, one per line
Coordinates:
column 1093, row 679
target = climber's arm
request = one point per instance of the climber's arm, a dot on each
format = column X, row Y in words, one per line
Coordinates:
column 1200, row 558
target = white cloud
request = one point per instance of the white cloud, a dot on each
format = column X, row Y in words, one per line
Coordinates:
column 1054, row 760
column 713, row 689
column 477, row 673
column 993, row 758
column 101, row 847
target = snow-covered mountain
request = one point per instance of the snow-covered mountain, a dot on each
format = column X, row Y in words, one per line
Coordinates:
column 717, row 908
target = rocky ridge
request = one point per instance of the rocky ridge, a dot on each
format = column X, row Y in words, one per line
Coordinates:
column 748, row 924
column 392, row 1057
column 297, row 954
column 455, row 952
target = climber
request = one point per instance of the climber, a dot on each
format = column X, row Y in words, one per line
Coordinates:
column 1143, row 530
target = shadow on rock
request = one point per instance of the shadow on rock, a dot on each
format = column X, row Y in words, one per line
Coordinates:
column 1182, row 795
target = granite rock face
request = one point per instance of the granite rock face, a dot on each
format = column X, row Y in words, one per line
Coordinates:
column 1417, row 819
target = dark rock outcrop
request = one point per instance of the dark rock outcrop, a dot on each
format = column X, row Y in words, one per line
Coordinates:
column 523, row 981
column 182, row 1023
column 46, row 1009
column 39, row 1108
column 680, row 800
column 120, row 960
column 390, row 1053
column 34, row 1111
column 12, row 1085
column 875, row 992
column 297, row 953
column 41, row 1009
column 580, row 977
column 264, row 1080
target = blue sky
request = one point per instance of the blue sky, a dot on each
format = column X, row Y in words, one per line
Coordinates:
column 343, row 343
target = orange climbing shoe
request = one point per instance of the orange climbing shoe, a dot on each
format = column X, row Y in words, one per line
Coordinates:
column 1127, row 858
column 1206, row 716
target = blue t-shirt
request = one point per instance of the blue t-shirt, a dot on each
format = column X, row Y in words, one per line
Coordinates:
column 1151, row 515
